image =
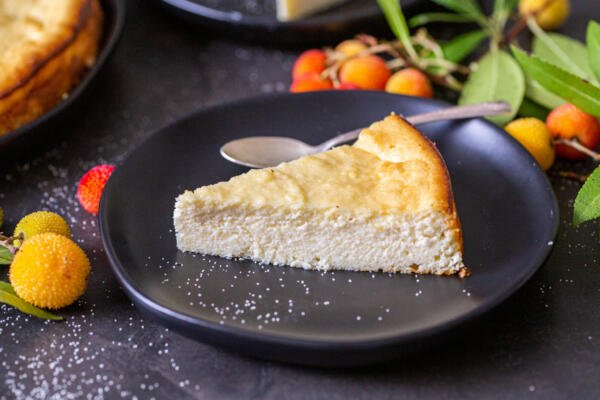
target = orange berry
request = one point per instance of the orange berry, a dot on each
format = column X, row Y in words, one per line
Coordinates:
column 569, row 122
column 410, row 82
column 310, row 62
column 49, row 271
column 310, row 83
column 369, row 72
column 351, row 47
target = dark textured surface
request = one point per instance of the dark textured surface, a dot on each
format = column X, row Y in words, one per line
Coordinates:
column 544, row 342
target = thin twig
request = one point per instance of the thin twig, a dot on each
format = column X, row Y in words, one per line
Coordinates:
column 396, row 50
column 579, row 147
column 521, row 24
column 514, row 31
column 395, row 64
column 573, row 175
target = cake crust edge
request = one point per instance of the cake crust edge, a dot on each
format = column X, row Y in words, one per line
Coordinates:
column 40, row 86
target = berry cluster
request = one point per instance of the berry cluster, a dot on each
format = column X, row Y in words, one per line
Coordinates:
column 568, row 133
column 47, row 269
column 352, row 64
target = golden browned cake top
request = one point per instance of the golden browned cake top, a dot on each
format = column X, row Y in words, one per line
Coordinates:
column 32, row 32
column 397, row 141
column 391, row 168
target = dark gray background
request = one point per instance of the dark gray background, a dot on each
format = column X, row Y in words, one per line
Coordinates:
column 544, row 342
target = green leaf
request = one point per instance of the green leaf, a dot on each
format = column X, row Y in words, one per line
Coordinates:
column 537, row 93
column 532, row 109
column 395, row 18
column 564, row 52
column 427, row 18
column 593, row 47
column 7, row 287
column 569, row 87
column 587, row 202
column 8, row 296
column 498, row 77
column 467, row 8
column 461, row 46
column 6, row 256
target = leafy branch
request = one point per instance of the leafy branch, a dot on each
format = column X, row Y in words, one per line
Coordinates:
column 570, row 71
column 558, row 70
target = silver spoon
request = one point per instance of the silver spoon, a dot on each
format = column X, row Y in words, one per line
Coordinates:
column 268, row 151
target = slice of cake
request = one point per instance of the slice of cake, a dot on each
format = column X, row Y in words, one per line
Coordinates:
column 46, row 46
column 288, row 10
column 383, row 204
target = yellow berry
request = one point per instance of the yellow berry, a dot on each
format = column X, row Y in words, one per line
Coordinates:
column 42, row 222
column 49, row 271
column 351, row 47
column 535, row 137
column 549, row 14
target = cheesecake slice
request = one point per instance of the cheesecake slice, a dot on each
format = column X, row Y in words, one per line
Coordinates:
column 288, row 10
column 382, row 204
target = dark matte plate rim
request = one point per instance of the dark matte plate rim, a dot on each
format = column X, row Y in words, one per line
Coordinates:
column 286, row 339
column 117, row 14
column 268, row 22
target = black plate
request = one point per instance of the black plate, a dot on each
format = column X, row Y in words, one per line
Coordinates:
column 505, row 202
column 256, row 20
column 48, row 125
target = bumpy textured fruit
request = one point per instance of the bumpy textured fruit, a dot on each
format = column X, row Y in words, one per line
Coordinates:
column 569, row 122
column 310, row 62
column 91, row 186
column 351, row 47
column 369, row 72
column 533, row 134
column 410, row 82
column 549, row 14
column 42, row 222
column 49, row 271
column 310, row 83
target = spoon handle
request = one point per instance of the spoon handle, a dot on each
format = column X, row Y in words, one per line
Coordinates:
column 334, row 141
column 444, row 114
column 461, row 112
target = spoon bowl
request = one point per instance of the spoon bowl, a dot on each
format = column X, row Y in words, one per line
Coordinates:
column 265, row 151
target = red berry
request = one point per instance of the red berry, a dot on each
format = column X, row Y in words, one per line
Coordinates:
column 570, row 123
column 310, row 83
column 346, row 86
column 91, row 186
column 310, row 62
